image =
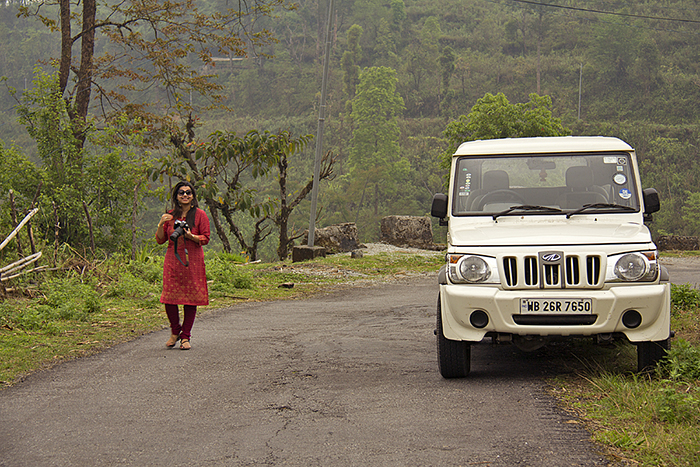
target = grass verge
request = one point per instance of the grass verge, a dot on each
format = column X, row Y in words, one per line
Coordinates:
column 651, row 419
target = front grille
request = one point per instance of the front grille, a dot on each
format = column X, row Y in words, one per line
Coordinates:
column 555, row 320
column 552, row 270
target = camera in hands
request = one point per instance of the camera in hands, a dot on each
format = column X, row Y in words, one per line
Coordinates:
column 179, row 230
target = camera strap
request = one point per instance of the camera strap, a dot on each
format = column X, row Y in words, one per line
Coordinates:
column 190, row 221
column 177, row 255
column 191, row 216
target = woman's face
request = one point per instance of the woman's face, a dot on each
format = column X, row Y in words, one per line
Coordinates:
column 185, row 196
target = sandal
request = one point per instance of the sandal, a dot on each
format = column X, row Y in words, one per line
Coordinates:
column 172, row 341
column 185, row 344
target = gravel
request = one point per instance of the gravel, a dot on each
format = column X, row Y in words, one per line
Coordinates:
column 376, row 248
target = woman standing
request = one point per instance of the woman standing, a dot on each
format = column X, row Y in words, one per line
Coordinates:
column 184, row 275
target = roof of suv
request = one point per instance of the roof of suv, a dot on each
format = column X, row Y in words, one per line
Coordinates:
column 540, row 145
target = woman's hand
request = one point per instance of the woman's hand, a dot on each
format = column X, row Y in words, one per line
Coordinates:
column 190, row 236
column 160, row 234
column 164, row 218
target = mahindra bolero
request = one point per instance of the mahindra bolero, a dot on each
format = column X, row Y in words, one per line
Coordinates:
column 546, row 240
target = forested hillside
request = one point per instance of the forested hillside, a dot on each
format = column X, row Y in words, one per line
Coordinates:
column 615, row 68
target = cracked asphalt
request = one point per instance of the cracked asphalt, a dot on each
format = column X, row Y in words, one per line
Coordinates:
column 347, row 378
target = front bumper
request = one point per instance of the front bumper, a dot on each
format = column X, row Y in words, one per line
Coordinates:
column 652, row 302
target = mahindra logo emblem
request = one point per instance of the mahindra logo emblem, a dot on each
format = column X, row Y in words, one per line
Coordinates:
column 551, row 257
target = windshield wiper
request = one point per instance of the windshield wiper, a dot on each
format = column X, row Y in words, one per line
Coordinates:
column 526, row 207
column 586, row 207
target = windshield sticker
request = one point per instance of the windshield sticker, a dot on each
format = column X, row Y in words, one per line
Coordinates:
column 625, row 193
column 620, row 179
column 610, row 160
column 465, row 189
column 620, row 168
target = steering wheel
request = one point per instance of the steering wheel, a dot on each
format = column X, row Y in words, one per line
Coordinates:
column 500, row 195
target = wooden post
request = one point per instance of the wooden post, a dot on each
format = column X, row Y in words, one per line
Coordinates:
column 56, row 231
column 133, row 220
column 13, row 213
column 89, row 221
column 30, row 230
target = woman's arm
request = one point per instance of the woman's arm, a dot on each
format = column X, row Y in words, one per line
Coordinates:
column 161, row 237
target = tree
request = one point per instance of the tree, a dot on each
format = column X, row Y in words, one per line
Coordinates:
column 287, row 204
column 226, row 167
column 494, row 117
column 350, row 59
column 375, row 156
column 447, row 66
column 89, row 182
column 150, row 43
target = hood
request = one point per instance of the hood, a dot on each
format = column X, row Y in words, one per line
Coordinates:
column 509, row 231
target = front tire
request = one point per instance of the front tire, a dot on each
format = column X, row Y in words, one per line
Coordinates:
column 650, row 353
column 454, row 357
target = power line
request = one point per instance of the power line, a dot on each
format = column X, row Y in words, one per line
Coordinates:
column 588, row 10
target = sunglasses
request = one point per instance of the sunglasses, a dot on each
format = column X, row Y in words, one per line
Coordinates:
column 184, row 192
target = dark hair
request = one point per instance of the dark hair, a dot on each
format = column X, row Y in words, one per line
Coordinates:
column 177, row 210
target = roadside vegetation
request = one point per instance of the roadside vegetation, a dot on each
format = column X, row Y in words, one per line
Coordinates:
column 649, row 419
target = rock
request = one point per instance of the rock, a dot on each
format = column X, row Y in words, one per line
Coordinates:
column 407, row 231
column 305, row 252
column 336, row 238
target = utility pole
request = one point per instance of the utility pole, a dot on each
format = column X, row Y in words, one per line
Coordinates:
column 319, row 132
column 300, row 253
column 580, row 81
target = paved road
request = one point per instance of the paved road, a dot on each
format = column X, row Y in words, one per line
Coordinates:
column 685, row 270
column 344, row 379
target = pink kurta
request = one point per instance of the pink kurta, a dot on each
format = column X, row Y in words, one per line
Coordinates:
column 186, row 285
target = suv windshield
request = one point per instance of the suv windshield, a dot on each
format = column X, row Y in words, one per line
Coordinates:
column 544, row 184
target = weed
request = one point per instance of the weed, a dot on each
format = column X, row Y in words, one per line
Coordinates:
column 685, row 297
column 226, row 272
column 676, row 406
column 682, row 362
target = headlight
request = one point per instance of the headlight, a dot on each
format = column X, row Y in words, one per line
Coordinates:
column 470, row 269
column 632, row 267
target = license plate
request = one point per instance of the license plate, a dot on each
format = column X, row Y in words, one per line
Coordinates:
column 556, row 306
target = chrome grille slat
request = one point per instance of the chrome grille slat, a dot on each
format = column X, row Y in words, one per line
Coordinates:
column 510, row 269
column 531, row 271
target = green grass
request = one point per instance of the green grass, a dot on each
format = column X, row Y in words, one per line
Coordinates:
column 653, row 419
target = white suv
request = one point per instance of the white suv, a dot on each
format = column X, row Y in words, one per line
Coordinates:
column 546, row 239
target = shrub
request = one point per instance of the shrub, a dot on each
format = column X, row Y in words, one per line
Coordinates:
column 676, row 406
column 225, row 271
column 150, row 271
column 685, row 297
column 682, row 362
column 71, row 299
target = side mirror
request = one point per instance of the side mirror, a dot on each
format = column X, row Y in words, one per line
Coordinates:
column 651, row 201
column 439, row 207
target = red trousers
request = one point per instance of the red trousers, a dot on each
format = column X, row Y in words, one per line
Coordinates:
column 190, row 311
